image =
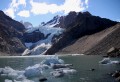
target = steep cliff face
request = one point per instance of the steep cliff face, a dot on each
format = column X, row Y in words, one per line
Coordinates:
column 11, row 33
column 84, row 24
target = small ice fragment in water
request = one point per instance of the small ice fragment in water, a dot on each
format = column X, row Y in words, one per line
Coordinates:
column 108, row 61
column 57, row 73
column 105, row 61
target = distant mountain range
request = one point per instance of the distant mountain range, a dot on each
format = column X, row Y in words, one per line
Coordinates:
column 74, row 33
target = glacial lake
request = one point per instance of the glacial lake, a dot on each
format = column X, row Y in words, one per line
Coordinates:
column 81, row 63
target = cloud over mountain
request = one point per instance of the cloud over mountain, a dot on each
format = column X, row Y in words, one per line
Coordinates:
column 20, row 7
column 14, row 6
column 24, row 13
column 66, row 7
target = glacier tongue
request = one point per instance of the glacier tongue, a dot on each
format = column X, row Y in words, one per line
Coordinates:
column 42, row 45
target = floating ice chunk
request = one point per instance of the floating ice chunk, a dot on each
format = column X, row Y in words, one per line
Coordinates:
column 67, row 70
column 15, row 74
column 24, row 80
column 1, row 70
column 62, row 71
column 108, row 61
column 36, row 70
column 115, row 62
column 33, row 71
column 57, row 73
column 7, row 80
column 105, row 61
column 52, row 60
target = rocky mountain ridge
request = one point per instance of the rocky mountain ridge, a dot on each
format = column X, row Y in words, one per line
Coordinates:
column 11, row 33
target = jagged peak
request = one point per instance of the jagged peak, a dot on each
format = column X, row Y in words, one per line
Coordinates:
column 87, row 13
column 72, row 13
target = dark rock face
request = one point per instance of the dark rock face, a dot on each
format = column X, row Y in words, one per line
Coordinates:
column 11, row 33
column 113, row 52
column 83, row 24
column 65, row 21
column 27, row 24
column 33, row 37
column 4, row 19
column 62, row 21
column 9, row 43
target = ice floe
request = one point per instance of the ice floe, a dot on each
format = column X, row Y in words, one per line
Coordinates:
column 38, row 70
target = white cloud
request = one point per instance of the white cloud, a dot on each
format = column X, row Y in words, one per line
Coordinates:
column 13, row 7
column 86, row 3
column 10, row 12
column 16, row 3
column 69, row 5
column 72, row 5
column 24, row 13
column 43, row 8
column 38, row 8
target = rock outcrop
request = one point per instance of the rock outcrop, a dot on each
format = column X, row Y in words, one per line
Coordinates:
column 33, row 36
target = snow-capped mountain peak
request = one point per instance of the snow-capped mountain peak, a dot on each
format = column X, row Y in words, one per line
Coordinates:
column 53, row 22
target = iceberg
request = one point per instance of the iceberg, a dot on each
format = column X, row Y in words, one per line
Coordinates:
column 67, row 70
column 52, row 60
column 38, row 70
column 108, row 61
column 62, row 71
column 57, row 73
column 7, row 80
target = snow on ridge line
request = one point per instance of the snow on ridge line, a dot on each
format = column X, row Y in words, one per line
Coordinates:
column 55, row 21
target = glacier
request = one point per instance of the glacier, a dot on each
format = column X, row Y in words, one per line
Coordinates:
column 42, row 45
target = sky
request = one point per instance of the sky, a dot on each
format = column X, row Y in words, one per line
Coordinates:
column 37, row 11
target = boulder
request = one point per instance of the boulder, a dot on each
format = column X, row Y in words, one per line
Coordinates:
column 92, row 69
column 42, row 79
column 118, row 79
column 113, row 52
column 116, row 74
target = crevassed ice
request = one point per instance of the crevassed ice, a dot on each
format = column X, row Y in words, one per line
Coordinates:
column 43, row 45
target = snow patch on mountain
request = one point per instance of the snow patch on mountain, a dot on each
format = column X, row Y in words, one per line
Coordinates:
column 53, row 22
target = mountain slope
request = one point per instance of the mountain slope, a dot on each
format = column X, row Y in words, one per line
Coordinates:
column 84, row 25
column 4, row 19
column 111, row 40
column 11, row 33
column 95, row 44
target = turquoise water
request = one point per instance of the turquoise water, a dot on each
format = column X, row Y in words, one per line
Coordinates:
column 80, row 63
